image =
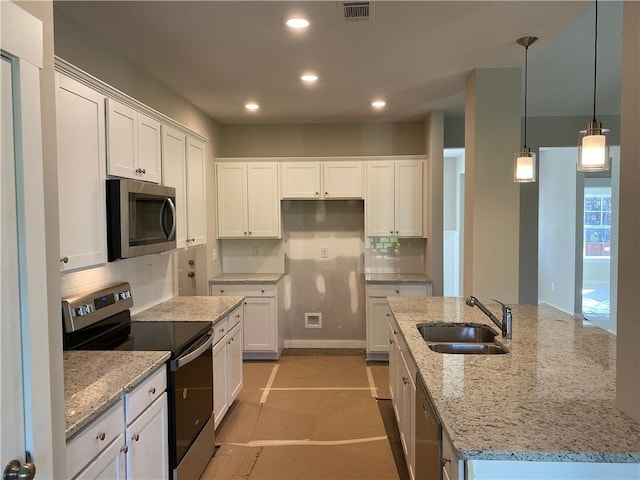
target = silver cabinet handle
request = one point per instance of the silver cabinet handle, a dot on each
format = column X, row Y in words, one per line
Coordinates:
column 135, row 437
column 101, row 436
column 405, row 380
column 152, row 390
column 64, row 259
column 124, row 449
column 191, row 274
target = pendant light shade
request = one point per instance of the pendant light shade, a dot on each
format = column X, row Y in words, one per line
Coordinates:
column 525, row 164
column 593, row 149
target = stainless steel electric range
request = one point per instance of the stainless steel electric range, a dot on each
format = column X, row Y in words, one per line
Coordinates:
column 101, row 320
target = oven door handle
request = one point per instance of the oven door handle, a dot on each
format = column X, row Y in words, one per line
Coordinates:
column 193, row 354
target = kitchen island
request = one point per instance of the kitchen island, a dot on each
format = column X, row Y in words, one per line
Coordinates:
column 550, row 399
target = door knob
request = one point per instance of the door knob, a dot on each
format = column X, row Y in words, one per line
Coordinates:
column 191, row 274
column 16, row 470
column 192, row 262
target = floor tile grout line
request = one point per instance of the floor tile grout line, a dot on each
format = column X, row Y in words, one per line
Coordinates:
column 272, row 377
column 372, row 384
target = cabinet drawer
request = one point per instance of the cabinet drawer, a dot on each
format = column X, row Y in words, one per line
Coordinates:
column 251, row 290
column 144, row 394
column 94, row 438
column 220, row 329
column 235, row 317
column 398, row 290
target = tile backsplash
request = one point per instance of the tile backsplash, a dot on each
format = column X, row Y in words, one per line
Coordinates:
column 394, row 255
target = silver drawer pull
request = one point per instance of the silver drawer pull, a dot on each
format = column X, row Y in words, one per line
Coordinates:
column 124, row 449
column 152, row 390
column 135, row 437
column 101, row 436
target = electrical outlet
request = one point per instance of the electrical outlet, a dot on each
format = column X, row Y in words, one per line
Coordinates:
column 256, row 251
column 214, row 254
column 324, row 252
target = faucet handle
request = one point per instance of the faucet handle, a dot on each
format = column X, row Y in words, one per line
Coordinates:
column 504, row 305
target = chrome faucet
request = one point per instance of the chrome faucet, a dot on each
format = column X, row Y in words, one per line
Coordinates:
column 505, row 324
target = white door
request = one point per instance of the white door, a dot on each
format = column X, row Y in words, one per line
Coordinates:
column 149, row 149
column 378, row 327
column 148, row 440
column 234, row 360
column 259, row 325
column 122, row 140
column 231, row 180
column 343, row 180
column 25, row 363
column 196, row 218
column 173, row 175
column 300, row 180
column 263, row 200
column 220, row 368
column 379, row 201
column 408, row 198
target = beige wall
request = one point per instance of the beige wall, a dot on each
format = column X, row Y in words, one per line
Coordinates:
column 320, row 140
column 433, row 199
column 492, row 199
column 628, row 353
column 87, row 52
column 54, row 467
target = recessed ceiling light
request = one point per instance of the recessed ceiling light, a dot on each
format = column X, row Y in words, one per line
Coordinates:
column 309, row 78
column 252, row 106
column 297, row 22
column 378, row 104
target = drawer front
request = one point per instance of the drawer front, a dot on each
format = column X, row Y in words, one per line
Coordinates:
column 398, row 290
column 236, row 317
column 220, row 329
column 144, row 394
column 244, row 290
column 94, row 438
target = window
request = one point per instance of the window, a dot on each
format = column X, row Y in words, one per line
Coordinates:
column 597, row 222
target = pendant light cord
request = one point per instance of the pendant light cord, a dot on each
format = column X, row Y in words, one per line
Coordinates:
column 526, row 76
column 595, row 64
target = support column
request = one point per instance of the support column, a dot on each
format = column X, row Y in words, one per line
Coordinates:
column 492, row 199
column 628, row 353
column 432, row 202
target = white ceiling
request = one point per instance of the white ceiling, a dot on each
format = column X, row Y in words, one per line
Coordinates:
column 415, row 54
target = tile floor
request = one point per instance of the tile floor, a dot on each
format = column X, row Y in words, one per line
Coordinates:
column 307, row 417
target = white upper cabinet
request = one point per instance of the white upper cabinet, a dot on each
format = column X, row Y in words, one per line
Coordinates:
column 394, row 200
column 183, row 169
column 196, row 196
column 133, row 144
column 323, row 180
column 248, row 200
column 81, row 174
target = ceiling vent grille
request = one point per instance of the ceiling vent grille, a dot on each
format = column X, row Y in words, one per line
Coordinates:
column 357, row 11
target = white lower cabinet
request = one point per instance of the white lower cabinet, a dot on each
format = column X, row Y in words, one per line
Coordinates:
column 263, row 333
column 129, row 441
column 378, row 313
column 227, row 362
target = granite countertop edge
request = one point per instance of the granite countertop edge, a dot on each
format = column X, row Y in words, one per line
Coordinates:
column 97, row 407
column 246, row 278
column 394, row 278
column 190, row 309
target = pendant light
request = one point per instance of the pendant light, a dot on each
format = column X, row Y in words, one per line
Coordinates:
column 593, row 150
column 525, row 167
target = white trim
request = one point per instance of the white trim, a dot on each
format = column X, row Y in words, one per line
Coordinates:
column 89, row 80
column 368, row 158
column 325, row 344
column 21, row 34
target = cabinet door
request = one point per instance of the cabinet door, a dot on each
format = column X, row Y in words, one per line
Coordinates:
column 122, row 140
column 408, row 198
column 196, row 216
column 260, row 324
column 148, row 440
column 220, row 369
column 378, row 325
column 173, row 175
column 232, row 200
column 263, row 200
column 109, row 465
column 405, row 412
column 379, row 201
column 81, row 174
column 149, row 164
column 393, row 362
column 234, row 356
column 342, row 180
column 300, row 180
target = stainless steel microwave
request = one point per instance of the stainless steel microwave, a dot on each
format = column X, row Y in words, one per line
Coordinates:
column 141, row 218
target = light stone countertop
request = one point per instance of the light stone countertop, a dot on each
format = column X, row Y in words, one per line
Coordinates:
column 203, row 308
column 391, row 278
column 552, row 398
column 246, row 278
column 96, row 380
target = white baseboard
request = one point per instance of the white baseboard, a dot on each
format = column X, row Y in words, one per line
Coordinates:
column 325, row 343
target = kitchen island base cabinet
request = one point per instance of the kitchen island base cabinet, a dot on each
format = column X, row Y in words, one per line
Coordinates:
column 109, row 465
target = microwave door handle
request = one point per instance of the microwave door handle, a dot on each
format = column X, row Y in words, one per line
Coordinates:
column 192, row 355
column 174, row 219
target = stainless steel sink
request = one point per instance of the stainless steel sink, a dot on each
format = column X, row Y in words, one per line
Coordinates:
column 456, row 332
column 468, row 348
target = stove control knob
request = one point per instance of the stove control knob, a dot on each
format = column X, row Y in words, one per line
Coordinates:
column 88, row 308
column 124, row 295
column 80, row 311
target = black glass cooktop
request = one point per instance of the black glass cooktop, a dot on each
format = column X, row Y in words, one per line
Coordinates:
column 175, row 337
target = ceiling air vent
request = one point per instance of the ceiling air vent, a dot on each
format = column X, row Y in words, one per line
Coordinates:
column 357, row 11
